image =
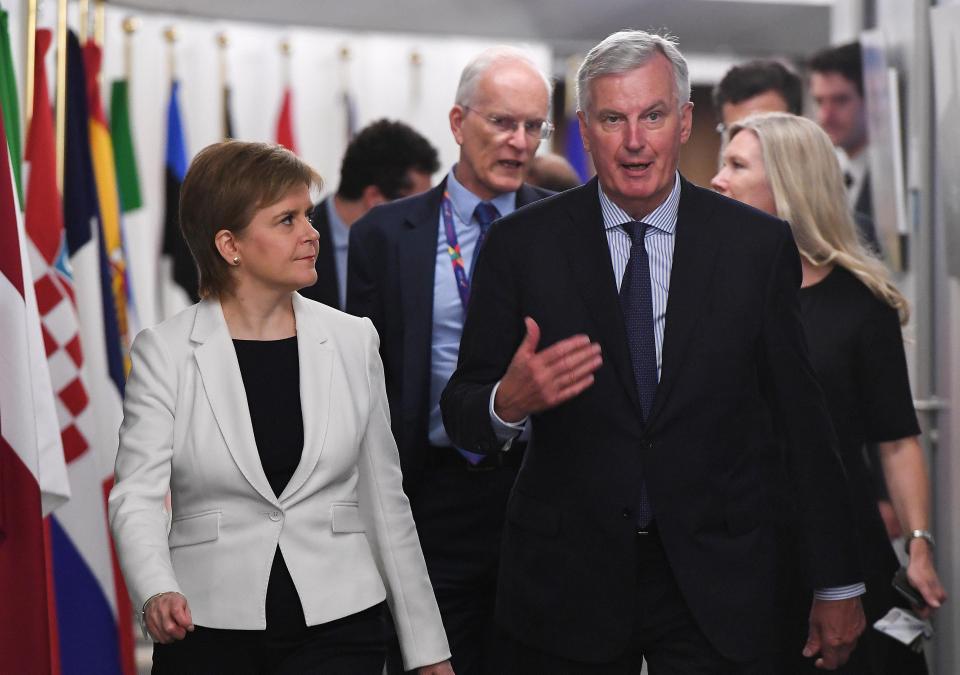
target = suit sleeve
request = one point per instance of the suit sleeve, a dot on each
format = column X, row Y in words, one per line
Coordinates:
column 142, row 473
column 391, row 530
column 813, row 463
column 363, row 298
column 491, row 334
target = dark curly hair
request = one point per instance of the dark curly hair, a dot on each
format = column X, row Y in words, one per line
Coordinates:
column 381, row 154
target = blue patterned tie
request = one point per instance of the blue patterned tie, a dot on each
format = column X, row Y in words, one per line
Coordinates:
column 636, row 302
column 485, row 213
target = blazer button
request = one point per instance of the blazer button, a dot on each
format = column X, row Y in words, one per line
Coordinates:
column 627, row 513
column 275, row 516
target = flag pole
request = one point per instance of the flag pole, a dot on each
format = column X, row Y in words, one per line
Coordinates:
column 84, row 21
column 223, row 42
column 170, row 34
column 99, row 21
column 130, row 26
column 286, row 49
column 61, row 89
column 31, row 60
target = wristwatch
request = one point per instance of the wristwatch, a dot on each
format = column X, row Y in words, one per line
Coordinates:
column 919, row 534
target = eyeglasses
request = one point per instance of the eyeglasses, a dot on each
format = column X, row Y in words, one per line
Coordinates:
column 540, row 129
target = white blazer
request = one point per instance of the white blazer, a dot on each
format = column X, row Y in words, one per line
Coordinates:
column 342, row 522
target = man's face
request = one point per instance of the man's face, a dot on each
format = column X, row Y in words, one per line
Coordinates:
column 633, row 130
column 840, row 110
column 766, row 101
column 494, row 161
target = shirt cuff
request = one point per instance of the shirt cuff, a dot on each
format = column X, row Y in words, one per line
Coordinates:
column 504, row 431
column 840, row 592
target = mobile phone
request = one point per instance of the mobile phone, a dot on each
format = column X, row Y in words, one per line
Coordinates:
column 903, row 587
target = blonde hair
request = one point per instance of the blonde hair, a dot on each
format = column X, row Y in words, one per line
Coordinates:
column 808, row 191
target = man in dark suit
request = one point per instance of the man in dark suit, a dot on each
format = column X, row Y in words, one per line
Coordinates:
column 836, row 87
column 410, row 266
column 640, row 522
column 385, row 161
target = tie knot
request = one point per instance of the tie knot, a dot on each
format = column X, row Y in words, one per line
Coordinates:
column 636, row 230
column 485, row 214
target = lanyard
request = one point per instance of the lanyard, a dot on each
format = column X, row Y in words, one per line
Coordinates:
column 453, row 248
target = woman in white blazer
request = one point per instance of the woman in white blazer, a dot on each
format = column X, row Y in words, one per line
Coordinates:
column 265, row 417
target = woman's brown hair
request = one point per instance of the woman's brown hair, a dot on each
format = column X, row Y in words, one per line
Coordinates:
column 226, row 184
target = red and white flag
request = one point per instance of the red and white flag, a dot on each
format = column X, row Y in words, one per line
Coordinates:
column 32, row 473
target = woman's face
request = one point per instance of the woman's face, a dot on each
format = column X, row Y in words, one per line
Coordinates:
column 743, row 175
column 278, row 249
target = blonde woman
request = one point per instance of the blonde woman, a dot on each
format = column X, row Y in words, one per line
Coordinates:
column 265, row 416
column 852, row 313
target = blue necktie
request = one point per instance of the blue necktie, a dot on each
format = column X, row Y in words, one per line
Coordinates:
column 485, row 213
column 636, row 302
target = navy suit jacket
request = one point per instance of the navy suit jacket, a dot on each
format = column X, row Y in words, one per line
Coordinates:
column 737, row 407
column 390, row 279
column 327, row 288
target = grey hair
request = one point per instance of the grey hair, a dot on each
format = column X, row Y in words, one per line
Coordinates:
column 625, row 50
column 479, row 64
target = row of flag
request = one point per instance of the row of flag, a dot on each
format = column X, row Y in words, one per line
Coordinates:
column 67, row 317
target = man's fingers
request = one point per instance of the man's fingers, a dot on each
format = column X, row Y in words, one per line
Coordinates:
column 574, row 389
column 813, row 643
column 556, row 354
column 532, row 338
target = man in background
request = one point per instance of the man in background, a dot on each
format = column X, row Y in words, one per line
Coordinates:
column 836, row 87
column 385, row 161
column 764, row 85
column 410, row 266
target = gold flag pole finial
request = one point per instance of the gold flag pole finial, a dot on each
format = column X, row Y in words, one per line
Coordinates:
column 61, row 90
column 416, row 58
column 31, row 62
column 131, row 25
column 170, row 35
column 286, row 50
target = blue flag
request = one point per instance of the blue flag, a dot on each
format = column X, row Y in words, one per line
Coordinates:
column 175, row 168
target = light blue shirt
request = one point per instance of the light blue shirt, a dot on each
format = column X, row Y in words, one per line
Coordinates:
column 340, row 237
column 448, row 311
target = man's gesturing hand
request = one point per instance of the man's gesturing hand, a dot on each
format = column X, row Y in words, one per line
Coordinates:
column 835, row 626
column 537, row 381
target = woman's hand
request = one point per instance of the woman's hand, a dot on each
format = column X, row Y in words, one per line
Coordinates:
column 922, row 576
column 167, row 617
column 442, row 668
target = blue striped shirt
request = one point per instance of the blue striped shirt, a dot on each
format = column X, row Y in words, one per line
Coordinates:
column 658, row 240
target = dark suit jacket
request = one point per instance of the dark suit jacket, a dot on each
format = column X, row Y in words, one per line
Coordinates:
column 326, row 290
column 735, row 385
column 390, row 276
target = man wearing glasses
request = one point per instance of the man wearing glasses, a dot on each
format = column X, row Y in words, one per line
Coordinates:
column 409, row 271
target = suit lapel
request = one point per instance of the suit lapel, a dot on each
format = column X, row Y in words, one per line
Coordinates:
column 220, row 371
column 694, row 260
column 585, row 242
column 417, row 254
column 316, row 371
